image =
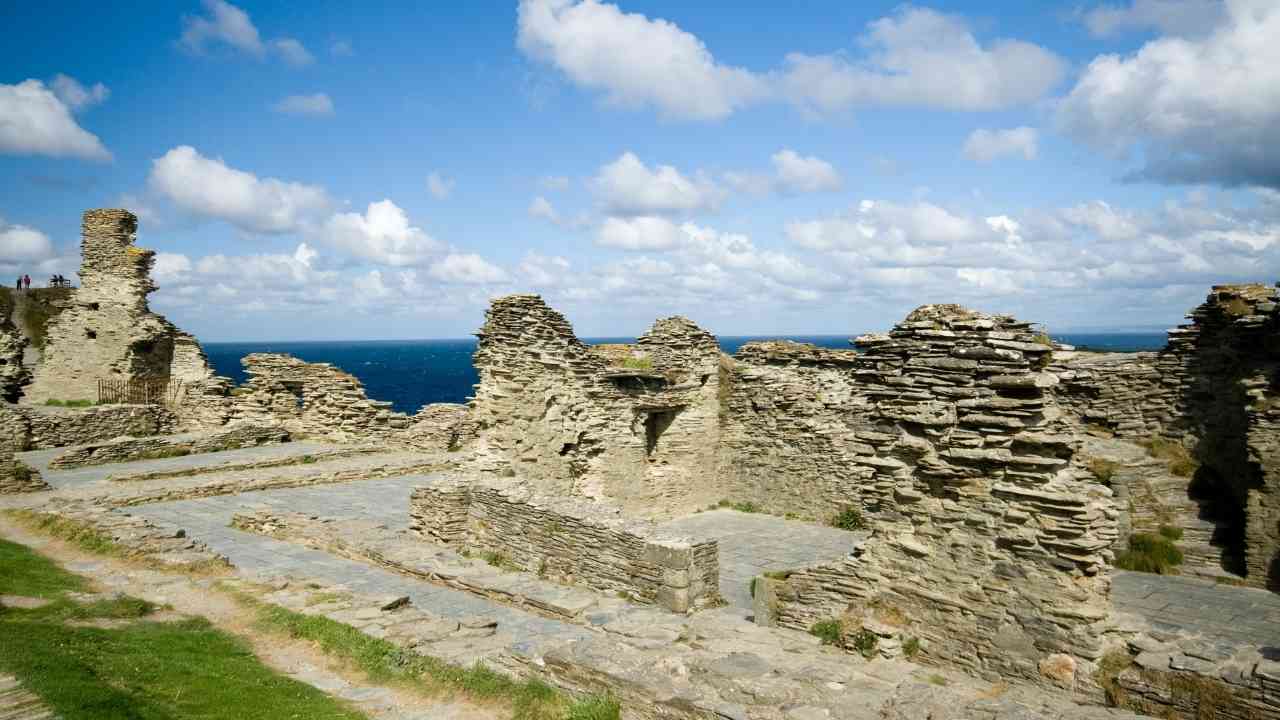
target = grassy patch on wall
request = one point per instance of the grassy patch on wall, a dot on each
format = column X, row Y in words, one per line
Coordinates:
column 1175, row 455
column 849, row 518
column 1151, row 553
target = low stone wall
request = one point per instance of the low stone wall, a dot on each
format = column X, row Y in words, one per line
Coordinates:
column 128, row 449
column 1177, row 679
column 31, row 427
column 572, row 541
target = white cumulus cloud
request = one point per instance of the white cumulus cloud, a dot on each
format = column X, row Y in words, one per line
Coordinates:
column 225, row 23
column 466, row 268
column 639, row 233
column 985, row 145
column 1173, row 17
column 77, row 96
column 293, row 52
column 34, row 121
column 382, row 234
column 317, row 104
column 629, row 187
column 23, row 244
column 208, row 187
column 797, row 173
column 923, row 58
column 1201, row 110
column 635, row 60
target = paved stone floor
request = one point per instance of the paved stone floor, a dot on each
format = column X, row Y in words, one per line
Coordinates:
column 751, row 544
column 207, row 519
column 1228, row 615
column 40, row 459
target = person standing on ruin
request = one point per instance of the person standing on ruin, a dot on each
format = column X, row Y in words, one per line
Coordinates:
column 18, row 285
column 26, row 282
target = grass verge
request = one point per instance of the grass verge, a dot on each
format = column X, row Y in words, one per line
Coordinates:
column 140, row 669
column 1152, row 553
column 384, row 662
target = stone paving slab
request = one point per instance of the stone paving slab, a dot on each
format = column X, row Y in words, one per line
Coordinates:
column 1191, row 606
column 74, row 477
column 751, row 544
column 207, row 519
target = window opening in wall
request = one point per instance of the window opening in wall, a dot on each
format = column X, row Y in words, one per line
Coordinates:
column 655, row 423
column 296, row 389
column 90, row 334
column 94, row 306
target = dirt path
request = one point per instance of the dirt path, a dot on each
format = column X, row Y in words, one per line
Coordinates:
column 294, row 658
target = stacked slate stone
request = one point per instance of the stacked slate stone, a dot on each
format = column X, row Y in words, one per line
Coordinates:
column 441, row 426
column 13, row 374
column 315, row 399
column 555, row 413
column 1231, row 356
column 569, row 540
column 790, row 430
column 988, row 539
column 788, row 353
column 127, row 449
column 109, row 333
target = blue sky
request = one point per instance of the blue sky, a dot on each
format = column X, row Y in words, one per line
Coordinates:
column 310, row 172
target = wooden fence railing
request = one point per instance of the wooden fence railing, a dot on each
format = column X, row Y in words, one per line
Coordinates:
column 140, row 392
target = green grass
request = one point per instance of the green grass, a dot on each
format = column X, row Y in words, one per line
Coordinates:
column 141, row 670
column 1171, row 532
column 53, row 402
column 849, row 518
column 28, row 573
column 1150, row 553
column 385, row 663
column 638, row 363
column 165, row 452
column 865, row 642
column 911, row 647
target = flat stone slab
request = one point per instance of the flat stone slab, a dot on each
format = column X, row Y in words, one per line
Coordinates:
column 1221, row 614
column 74, row 477
column 752, row 543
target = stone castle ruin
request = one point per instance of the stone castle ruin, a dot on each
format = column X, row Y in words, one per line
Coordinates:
column 108, row 333
column 978, row 486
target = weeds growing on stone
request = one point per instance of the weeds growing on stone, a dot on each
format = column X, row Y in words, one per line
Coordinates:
column 1109, row 668
column 936, row 679
column 911, row 647
column 865, row 642
column 384, row 662
column 753, row 586
column 638, row 363
column 830, row 632
column 1151, row 553
column 745, row 506
column 89, row 539
column 1171, row 532
column 849, row 518
column 1102, row 469
column 166, row 452
column 1175, row 455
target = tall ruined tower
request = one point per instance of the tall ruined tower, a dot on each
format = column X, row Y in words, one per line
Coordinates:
column 109, row 333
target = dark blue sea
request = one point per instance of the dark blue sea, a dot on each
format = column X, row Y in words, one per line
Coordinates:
column 412, row 373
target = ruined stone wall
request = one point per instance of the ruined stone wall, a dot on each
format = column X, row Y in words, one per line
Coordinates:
column 990, row 543
column 15, row 477
column 1212, row 389
column 39, row 427
column 128, row 449
column 791, row 430
column 309, row 399
column 639, row 428
column 109, row 333
column 440, row 426
column 569, row 540
column 13, row 374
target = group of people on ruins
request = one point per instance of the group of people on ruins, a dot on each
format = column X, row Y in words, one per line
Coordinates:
column 24, row 282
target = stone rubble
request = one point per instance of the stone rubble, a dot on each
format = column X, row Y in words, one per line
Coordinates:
column 127, row 449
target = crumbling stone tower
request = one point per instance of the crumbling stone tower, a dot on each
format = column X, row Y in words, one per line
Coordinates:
column 109, row 333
